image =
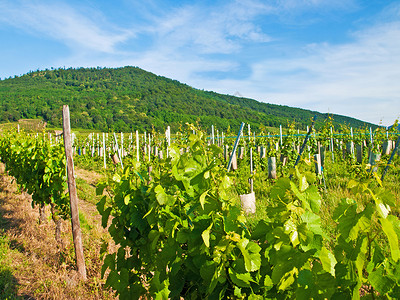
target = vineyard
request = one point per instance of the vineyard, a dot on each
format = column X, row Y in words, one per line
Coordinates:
column 230, row 215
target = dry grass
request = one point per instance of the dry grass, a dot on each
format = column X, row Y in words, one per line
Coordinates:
column 89, row 176
column 40, row 267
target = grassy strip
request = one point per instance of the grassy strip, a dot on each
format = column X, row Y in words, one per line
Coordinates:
column 86, row 191
column 8, row 283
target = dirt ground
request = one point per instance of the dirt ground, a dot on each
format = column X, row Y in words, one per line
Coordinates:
column 33, row 265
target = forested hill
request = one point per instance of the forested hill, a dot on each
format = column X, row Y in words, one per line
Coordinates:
column 130, row 98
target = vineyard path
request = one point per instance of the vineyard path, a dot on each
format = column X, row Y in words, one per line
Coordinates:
column 32, row 263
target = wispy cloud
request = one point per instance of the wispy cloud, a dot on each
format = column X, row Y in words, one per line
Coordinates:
column 208, row 29
column 188, row 40
column 358, row 78
column 313, row 4
column 63, row 23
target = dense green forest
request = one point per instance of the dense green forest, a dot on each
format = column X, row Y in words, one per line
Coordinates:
column 130, row 98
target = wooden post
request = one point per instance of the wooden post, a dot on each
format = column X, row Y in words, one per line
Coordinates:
column 359, row 153
column 351, row 143
column 370, row 135
column 130, row 142
column 137, row 145
column 251, row 168
column 168, row 139
column 241, row 152
column 149, row 149
column 333, row 157
column 104, row 151
column 118, row 150
column 373, row 159
column 322, row 154
column 226, row 152
column 98, row 146
column 272, row 167
column 248, row 125
column 76, row 228
column 122, row 146
column 145, row 145
column 93, row 145
column 317, row 162
column 233, row 160
column 262, row 152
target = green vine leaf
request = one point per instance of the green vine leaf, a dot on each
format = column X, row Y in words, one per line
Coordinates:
column 206, row 236
column 328, row 261
column 380, row 281
column 202, row 198
column 251, row 254
column 388, row 228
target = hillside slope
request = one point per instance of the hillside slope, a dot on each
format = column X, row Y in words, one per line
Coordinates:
column 130, row 98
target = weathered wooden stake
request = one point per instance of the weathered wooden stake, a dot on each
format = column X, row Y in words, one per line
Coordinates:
column 272, row 167
column 251, row 168
column 359, row 149
column 248, row 125
column 333, row 156
column 98, row 146
column 317, row 163
column 168, row 135
column 233, row 160
column 137, row 145
column 149, row 149
column 118, row 152
column 76, row 228
column 104, row 151
column 122, row 150
column 212, row 134
column 370, row 135
column 373, row 160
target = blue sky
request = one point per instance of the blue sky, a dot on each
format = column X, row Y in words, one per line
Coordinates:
column 337, row 56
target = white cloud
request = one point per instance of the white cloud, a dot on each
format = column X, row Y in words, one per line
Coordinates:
column 312, row 4
column 63, row 23
column 206, row 30
column 358, row 79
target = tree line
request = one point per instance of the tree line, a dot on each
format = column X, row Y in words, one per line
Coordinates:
column 129, row 98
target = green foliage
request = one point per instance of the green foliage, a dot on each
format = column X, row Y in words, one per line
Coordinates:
column 360, row 257
column 130, row 98
column 184, row 233
column 181, row 234
column 38, row 167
